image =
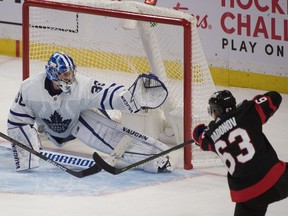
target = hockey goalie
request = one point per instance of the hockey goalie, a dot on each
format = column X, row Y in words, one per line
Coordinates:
column 59, row 102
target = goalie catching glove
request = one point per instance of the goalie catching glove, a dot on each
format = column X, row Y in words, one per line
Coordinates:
column 146, row 92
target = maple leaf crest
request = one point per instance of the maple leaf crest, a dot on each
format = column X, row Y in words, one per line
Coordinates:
column 56, row 123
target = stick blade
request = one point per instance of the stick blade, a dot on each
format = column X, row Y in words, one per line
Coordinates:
column 104, row 165
column 91, row 171
column 114, row 170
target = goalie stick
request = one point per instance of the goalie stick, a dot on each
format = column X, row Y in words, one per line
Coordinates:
column 79, row 174
column 64, row 158
column 115, row 171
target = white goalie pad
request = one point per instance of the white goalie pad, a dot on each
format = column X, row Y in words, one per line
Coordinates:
column 28, row 136
column 148, row 91
column 102, row 134
column 94, row 133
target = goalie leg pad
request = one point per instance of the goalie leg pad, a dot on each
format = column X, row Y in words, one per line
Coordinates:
column 94, row 133
column 139, row 151
column 24, row 160
column 100, row 134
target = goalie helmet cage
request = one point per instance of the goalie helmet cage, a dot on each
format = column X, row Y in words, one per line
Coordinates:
column 145, row 39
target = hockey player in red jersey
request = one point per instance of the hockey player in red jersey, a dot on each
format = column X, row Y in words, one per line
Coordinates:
column 256, row 176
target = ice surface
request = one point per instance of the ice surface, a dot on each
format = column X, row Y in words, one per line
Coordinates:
column 50, row 191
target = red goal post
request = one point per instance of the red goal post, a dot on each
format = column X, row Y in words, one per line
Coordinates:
column 86, row 30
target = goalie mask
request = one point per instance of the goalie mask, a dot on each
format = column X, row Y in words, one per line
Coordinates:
column 221, row 102
column 61, row 68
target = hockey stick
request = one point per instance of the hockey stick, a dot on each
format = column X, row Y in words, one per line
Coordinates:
column 64, row 158
column 79, row 174
column 115, row 171
column 68, row 158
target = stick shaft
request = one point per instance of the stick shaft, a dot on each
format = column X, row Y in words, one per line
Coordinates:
column 114, row 170
column 79, row 174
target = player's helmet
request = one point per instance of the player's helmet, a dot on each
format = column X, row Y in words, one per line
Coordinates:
column 221, row 102
column 60, row 63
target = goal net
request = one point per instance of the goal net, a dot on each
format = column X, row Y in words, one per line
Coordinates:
column 115, row 41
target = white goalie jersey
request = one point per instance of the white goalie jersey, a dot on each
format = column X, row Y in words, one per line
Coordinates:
column 63, row 117
column 58, row 113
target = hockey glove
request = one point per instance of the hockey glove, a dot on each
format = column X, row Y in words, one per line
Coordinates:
column 148, row 91
column 197, row 133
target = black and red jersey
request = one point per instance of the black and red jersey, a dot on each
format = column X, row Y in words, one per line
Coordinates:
column 238, row 138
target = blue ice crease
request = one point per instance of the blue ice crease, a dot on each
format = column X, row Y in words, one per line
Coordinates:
column 50, row 180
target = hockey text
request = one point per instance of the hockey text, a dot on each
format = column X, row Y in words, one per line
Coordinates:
column 223, row 128
column 16, row 158
column 69, row 160
column 135, row 134
column 126, row 104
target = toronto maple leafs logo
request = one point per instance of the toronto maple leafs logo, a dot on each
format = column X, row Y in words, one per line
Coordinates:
column 56, row 123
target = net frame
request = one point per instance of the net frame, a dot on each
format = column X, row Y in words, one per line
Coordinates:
column 187, row 55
